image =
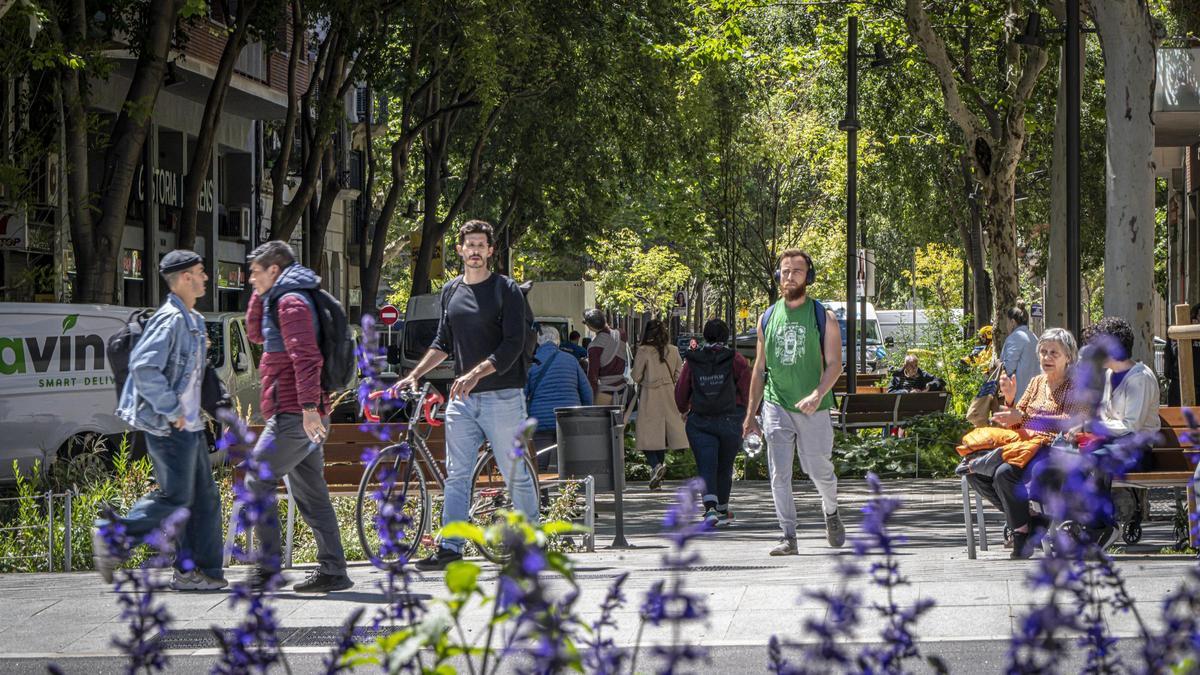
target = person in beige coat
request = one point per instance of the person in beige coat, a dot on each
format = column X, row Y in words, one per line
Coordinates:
column 660, row 427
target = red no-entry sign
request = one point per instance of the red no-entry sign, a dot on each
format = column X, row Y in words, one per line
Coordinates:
column 388, row 315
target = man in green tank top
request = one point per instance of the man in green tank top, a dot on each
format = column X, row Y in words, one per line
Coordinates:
column 793, row 376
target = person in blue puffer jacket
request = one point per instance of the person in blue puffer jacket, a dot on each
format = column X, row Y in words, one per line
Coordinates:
column 554, row 381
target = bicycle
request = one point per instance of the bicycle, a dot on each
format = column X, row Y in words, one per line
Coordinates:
column 412, row 474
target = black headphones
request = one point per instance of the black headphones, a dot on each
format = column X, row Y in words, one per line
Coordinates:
column 809, row 278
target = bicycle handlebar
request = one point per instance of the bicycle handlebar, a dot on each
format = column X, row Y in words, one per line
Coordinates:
column 426, row 399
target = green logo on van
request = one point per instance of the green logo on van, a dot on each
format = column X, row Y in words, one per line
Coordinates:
column 22, row 355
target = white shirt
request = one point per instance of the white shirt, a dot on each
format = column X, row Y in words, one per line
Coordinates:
column 1133, row 405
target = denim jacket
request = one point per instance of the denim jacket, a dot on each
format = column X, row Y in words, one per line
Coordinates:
column 159, row 368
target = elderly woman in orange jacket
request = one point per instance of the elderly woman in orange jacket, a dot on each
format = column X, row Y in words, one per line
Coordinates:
column 1022, row 428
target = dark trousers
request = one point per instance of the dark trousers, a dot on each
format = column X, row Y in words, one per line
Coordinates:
column 1007, row 492
column 185, row 480
column 715, row 442
column 655, row 457
column 286, row 450
column 541, row 441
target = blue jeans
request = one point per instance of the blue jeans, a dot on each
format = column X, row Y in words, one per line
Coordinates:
column 184, row 476
column 496, row 416
column 715, row 442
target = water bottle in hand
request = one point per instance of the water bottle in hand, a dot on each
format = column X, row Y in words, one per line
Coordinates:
column 752, row 444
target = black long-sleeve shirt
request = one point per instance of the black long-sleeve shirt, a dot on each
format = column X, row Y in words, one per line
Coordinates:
column 484, row 321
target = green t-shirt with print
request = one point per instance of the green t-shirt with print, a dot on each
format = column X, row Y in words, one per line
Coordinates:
column 793, row 352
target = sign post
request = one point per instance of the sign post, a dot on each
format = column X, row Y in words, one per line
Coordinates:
column 388, row 316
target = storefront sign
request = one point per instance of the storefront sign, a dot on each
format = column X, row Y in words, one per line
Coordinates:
column 13, row 229
column 230, row 276
column 166, row 188
column 131, row 264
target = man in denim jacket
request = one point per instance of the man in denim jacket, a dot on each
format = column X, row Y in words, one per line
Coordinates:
column 162, row 399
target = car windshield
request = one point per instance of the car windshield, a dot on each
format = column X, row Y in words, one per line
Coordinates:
column 216, row 343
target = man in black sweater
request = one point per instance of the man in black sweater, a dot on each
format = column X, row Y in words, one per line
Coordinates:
column 483, row 326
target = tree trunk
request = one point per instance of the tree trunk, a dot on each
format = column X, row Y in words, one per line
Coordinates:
column 320, row 223
column 209, row 121
column 1127, row 38
column 75, row 116
column 99, row 283
column 1001, row 223
column 279, row 172
column 972, row 236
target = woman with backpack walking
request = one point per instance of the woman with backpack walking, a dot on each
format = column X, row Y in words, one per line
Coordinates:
column 713, row 389
column 656, row 369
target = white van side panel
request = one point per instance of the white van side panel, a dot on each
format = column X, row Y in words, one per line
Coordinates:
column 55, row 381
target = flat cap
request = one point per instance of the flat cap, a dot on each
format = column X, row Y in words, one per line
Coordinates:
column 178, row 260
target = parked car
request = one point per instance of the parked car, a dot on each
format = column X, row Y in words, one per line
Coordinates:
column 56, row 385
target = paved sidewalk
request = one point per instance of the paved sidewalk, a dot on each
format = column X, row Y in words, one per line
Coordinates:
column 750, row 595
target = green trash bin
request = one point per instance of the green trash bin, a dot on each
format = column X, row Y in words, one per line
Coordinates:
column 590, row 441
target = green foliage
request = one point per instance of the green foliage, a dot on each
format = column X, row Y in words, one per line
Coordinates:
column 926, row 449
column 637, row 277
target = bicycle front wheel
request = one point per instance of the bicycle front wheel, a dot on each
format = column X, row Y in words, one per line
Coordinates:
column 392, row 509
column 490, row 495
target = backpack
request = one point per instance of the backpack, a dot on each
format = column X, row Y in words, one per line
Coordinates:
column 820, row 315
column 334, row 338
column 714, row 391
column 120, row 346
column 531, row 326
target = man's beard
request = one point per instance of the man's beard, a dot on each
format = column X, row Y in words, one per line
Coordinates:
column 795, row 292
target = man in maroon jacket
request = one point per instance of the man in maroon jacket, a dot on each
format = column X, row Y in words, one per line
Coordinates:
column 281, row 318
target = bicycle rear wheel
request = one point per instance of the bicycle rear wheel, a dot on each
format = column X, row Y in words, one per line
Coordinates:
column 392, row 504
column 490, row 495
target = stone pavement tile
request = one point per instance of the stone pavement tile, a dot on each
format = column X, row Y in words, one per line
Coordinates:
column 777, row 597
column 984, row 590
column 761, row 624
column 43, row 635
column 712, row 629
column 80, row 610
column 948, row 623
column 17, row 610
column 99, row 639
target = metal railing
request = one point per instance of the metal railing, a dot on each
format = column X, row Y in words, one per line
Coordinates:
column 51, row 527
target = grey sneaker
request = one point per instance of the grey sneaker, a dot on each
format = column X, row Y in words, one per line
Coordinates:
column 786, row 546
column 196, row 581
column 656, row 478
column 102, row 558
column 835, row 532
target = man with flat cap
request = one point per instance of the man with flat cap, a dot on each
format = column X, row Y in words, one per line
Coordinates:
column 162, row 399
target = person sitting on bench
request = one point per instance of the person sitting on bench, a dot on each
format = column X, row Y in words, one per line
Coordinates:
column 911, row 378
column 1046, row 407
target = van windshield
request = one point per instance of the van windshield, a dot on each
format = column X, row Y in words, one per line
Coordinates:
column 418, row 335
column 872, row 328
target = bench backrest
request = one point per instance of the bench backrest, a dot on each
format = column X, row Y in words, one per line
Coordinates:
column 868, row 403
column 913, row 404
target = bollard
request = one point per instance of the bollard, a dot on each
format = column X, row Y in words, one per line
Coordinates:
column 67, row 535
column 618, row 474
column 50, row 531
column 590, row 516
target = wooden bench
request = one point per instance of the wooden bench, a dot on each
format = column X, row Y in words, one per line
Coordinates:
column 871, row 410
column 1166, row 465
column 344, row 468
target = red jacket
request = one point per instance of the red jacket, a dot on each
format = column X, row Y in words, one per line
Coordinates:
column 290, row 378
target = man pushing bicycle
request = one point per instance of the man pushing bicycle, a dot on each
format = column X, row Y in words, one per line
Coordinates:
column 483, row 324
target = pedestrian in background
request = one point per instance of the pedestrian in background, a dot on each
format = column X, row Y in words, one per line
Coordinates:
column 555, row 381
column 660, row 427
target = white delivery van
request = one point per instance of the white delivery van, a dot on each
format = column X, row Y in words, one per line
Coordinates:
column 898, row 326
column 56, row 383
column 561, row 304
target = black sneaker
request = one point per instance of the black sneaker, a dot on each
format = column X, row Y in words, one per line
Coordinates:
column 1023, row 546
column 320, row 582
column 260, row 580
column 438, row 561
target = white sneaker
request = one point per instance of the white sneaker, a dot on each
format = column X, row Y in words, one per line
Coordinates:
column 787, row 546
column 196, row 581
column 102, row 558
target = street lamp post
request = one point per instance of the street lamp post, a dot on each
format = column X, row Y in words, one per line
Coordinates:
column 1074, row 302
column 850, row 125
